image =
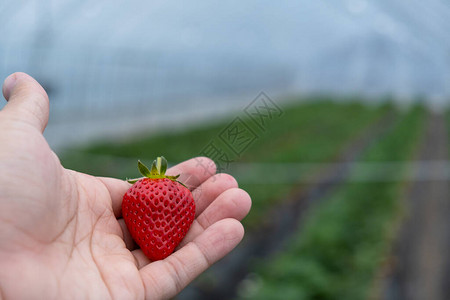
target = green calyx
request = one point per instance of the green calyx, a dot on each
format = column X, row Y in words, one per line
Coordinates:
column 158, row 170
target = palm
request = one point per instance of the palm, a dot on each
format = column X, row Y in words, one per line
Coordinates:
column 62, row 231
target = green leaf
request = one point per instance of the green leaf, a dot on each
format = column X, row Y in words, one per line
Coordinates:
column 161, row 163
column 143, row 169
column 134, row 180
column 182, row 184
column 154, row 172
column 158, row 170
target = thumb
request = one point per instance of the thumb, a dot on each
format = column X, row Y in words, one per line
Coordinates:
column 27, row 100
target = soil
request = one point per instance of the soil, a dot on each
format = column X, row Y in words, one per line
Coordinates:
column 421, row 258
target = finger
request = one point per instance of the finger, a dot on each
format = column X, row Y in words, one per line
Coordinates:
column 27, row 100
column 116, row 188
column 141, row 259
column 129, row 242
column 210, row 189
column 233, row 203
column 165, row 278
column 193, row 173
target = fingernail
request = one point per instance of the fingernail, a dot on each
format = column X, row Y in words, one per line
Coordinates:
column 8, row 85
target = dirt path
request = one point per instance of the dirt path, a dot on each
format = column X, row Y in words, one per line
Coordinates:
column 222, row 281
column 422, row 251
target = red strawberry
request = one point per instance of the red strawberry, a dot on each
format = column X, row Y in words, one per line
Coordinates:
column 158, row 210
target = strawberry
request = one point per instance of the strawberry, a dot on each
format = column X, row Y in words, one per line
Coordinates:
column 158, row 210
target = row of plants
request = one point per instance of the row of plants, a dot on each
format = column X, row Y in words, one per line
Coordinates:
column 314, row 135
column 337, row 250
column 312, row 131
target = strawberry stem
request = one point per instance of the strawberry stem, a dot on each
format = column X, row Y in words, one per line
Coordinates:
column 158, row 171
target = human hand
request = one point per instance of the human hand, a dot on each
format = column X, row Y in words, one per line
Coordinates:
column 61, row 232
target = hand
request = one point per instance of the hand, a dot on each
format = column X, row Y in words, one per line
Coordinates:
column 61, row 232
